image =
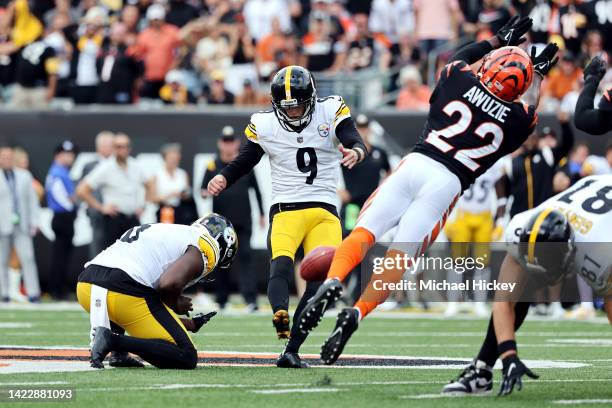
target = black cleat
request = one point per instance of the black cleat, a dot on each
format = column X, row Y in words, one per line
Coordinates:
column 123, row 359
column 288, row 359
column 280, row 320
column 477, row 378
column 346, row 324
column 101, row 346
column 325, row 298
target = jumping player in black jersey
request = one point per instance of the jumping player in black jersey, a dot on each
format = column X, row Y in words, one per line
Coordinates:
column 474, row 120
column 586, row 118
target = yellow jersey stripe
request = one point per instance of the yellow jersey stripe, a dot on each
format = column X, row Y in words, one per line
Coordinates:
column 250, row 133
column 529, row 175
column 288, row 82
column 534, row 234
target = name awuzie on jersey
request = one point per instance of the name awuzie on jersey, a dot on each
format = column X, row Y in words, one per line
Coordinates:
column 487, row 103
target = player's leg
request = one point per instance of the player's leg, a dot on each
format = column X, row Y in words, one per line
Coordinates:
column 381, row 212
column 418, row 227
column 477, row 378
column 156, row 334
column 323, row 229
column 287, row 230
column 434, row 199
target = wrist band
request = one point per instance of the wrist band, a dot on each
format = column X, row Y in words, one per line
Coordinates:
column 507, row 345
column 502, row 201
column 360, row 154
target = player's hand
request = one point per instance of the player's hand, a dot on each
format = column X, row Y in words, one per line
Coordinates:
column 543, row 62
column 217, row 185
column 183, row 305
column 109, row 209
column 513, row 31
column 200, row 320
column 513, row 373
column 596, row 69
column 350, row 157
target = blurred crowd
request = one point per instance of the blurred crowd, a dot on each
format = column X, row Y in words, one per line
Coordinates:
column 181, row 52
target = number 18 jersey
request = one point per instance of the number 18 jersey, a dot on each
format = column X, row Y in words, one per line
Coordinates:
column 587, row 206
column 468, row 129
column 305, row 166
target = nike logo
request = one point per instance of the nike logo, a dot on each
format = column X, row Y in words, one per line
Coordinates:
column 335, row 332
column 512, row 367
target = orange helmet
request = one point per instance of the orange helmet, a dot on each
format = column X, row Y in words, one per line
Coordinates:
column 506, row 72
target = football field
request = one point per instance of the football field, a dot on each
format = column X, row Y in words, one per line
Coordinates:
column 394, row 359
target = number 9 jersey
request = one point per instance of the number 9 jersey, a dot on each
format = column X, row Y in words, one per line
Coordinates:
column 305, row 166
column 468, row 129
column 587, row 206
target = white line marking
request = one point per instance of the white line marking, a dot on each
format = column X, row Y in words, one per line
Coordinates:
column 4, row 384
column 583, row 401
column 15, row 325
column 295, row 390
column 582, row 342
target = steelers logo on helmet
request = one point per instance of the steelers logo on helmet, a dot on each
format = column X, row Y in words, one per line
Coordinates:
column 506, row 73
column 221, row 230
column 546, row 246
column 293, row 96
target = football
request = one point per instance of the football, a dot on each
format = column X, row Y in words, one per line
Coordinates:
column 315, row 265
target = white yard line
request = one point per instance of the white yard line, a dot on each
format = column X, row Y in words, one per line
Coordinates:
column 295, row 390
column 5, row 384
column 583, row 401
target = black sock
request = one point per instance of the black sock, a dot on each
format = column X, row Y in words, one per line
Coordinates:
column 160, row 353
column 281, row 269
column 488, row 352
column 297, row 337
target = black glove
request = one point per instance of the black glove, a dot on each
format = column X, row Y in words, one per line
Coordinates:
column 513, row 371
column 547, row 59
column 596, row 69
column 512, row 32
column 201, row 319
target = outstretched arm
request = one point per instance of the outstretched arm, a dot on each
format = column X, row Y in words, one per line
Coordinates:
column 586, row 117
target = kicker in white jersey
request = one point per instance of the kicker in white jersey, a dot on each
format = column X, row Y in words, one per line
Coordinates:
column 305, row 165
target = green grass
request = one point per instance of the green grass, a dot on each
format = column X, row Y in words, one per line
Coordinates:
column 237, row 386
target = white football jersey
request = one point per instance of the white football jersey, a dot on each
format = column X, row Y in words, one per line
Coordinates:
column 480, row 197
column 305, row 166
column 146, row 251
column 588, row 207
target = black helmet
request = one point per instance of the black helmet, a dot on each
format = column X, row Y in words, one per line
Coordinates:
column 223, row 232
column 547, row 245
column 291, row 87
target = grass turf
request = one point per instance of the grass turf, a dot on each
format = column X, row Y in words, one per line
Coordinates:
column 590, row 343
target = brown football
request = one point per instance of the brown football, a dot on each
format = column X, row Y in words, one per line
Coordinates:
column 315, row 265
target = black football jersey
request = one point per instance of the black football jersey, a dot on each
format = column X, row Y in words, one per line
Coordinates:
column 468, row 129
column 32, row 68
column 605, row 103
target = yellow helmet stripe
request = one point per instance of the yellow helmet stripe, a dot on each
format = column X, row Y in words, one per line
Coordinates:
column 288, row 82
column 534, row 234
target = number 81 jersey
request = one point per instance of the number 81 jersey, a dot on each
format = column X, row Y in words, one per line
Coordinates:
column 587, row 206
column 305, row 166
column 468, row 129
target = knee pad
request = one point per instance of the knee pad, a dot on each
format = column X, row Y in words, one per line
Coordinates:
column 281, row 267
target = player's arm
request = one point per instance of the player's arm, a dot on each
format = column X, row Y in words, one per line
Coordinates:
column 174, row 279
column 250, row 154
column 586, row 117
column 510, row 34
column 503, row 321
column 353, row 149
column 542, row 64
